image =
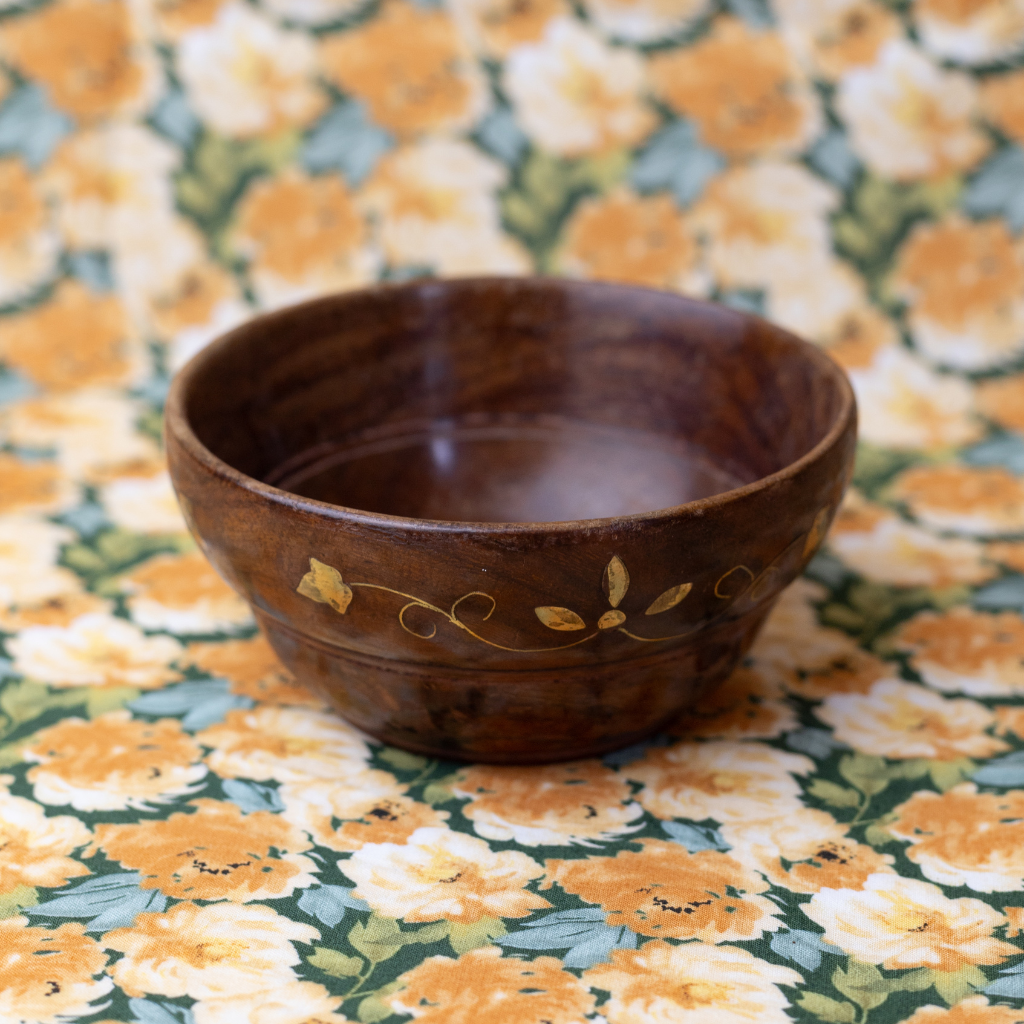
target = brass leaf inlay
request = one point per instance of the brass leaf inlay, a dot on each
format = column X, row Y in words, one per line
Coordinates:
column 669, row 599
column 559, row 618
column 611, row 619
column 616, row 581
column 740, row 584
column 323, row 584
column 818, row 530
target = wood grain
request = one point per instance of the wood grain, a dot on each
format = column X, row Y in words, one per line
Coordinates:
column 494, row 637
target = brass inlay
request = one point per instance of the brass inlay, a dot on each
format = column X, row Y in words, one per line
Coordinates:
column 323, row 584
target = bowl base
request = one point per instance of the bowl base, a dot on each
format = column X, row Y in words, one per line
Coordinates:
column 515, row 717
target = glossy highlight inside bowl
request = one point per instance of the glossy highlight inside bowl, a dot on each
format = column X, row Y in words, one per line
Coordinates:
column 544, row 469
column 514, row 418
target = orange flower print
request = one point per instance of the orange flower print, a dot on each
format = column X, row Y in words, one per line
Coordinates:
column 763, row 225
column 287, row 744
column 576, row 96
column 973, row 1010
column 367, row 807
column 412, row 69
column 110, row 185
column 722, row 779
column 294, row 1002
column 964, row 499
column 643, row 21
column 963, row 282
column 804, row 851
column 496, row 26
column 901, row 922
column 625, row 237
column 112, row 763
column 964, row 837
column 483, row 987
column 1015, row 915
column 438, row 874
column 904, row 404
column 302, row 236
column 908, row 119
column 29, row 548
column 48, row 973
column 852, row 671
column 1002, row 101
column 139, row 498
column 196, row 305
column 1009, row 720
column 87, row 54
column 1010, row 554
column 57, row 611
column 664, row 984
column 744, row 90
column 807, row 658
column 551, row 805
column 95, row 650
column 253, row 669
column 35, row 849
column 971, row 31
column 215, row 853
column 1002, row 401
column 104, row 353
column 664, row 891
column 860, row 336
column 246, row 77
column 176, row 17
column 902, row 720
column 885, row 548
column 210, row 952
column 31, row 486
column 435, row 205
column 965, row 651
column 831, row 39
column 29, row 245
column 91, row 430
column 183, row 594
column 193, row 300
column 747, row 706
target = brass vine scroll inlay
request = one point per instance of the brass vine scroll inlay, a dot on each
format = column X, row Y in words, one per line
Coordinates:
column 324, row 584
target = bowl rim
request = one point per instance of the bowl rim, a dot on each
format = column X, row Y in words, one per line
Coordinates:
column 176, row 422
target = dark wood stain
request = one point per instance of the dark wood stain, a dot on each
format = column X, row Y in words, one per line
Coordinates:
column 466, row 511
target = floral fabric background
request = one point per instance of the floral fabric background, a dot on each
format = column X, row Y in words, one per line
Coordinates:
column 187, row 837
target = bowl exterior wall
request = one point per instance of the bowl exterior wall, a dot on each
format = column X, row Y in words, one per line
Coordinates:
column 519, row 645
column 516, row 717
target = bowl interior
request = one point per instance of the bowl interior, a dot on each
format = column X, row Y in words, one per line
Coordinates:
column 510, row 400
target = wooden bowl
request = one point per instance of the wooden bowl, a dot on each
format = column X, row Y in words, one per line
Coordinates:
column 510, row 520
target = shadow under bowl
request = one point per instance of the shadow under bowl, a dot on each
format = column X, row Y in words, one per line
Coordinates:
column 510, row 519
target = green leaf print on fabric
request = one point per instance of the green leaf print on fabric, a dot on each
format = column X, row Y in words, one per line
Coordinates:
column 108, row 902
column 693, row 838
column 582, row 933
column 998, row 188
column 830, row 1010
column 336, row 964
column 328, row 903
column 149, row 1011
